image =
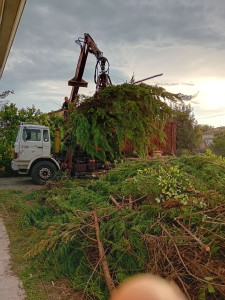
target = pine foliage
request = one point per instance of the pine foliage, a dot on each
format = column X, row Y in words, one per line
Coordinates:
column 144, row 235
column 135, row 113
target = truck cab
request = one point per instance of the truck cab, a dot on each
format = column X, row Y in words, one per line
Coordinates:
column 33, row 153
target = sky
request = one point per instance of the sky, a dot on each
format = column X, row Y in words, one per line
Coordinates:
column 184, row 40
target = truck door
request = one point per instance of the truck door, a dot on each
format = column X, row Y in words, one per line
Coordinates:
column 31, row 144
column 46, row 142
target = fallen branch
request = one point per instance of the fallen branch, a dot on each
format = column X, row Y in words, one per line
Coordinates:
column 176, row 272
column 87, row 236
column 206, row 247
column 215, row 209
column 136, row 200
column 181, row 259
column 103, row 259
column 129, row 204
column 94, row 270
column 115, row 202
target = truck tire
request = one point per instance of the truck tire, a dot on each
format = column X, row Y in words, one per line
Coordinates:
column 42, row 172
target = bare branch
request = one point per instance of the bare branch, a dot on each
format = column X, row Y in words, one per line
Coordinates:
column 115, row 202
column 206, row 247
column 103, row 259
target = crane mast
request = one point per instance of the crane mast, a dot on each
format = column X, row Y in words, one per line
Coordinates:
column 101, row 78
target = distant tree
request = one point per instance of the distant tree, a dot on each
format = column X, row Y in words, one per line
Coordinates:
column 218, row 146
column 189, row 133
column 9, row 124
column 3, row 96
column 10, row 118
column 205, row 127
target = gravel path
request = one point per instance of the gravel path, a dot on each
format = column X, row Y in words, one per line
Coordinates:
column 11, row 288
column 22, row 183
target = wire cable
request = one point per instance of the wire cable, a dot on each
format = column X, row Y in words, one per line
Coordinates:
column 211, row 116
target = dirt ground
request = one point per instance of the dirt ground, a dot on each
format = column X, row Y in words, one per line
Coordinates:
column 22, row 183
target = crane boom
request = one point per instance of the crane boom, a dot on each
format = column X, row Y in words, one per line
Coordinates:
column 102, row 79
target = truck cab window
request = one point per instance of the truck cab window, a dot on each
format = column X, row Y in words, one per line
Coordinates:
column 33, row 135
column 45, row 135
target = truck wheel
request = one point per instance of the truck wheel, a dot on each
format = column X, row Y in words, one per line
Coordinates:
column 43, row 171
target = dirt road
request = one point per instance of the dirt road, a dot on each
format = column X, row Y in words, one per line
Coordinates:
column 22, row 183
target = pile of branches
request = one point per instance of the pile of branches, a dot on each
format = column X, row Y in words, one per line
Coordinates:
column 136, row 114
column 180, row 255
column 99, row 234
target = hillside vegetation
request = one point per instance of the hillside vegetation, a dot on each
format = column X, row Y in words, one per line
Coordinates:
column 161, row 216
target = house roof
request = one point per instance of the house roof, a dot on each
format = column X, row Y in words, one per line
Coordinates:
column 10, row 15
column 212, row 131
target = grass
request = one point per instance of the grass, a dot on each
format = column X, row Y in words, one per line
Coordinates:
column 12, row 204
column 13, row 207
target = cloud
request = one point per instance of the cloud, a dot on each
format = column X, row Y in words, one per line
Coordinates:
column 184, row 40
column 177, row 83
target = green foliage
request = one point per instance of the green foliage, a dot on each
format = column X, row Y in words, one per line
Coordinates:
column 125, row 113
column 173, row 182
column 189, row 134
column 206, row 171
column 206, row 290
column 205, row 127
column 218, row 146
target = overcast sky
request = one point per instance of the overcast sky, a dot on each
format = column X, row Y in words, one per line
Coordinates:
column 184, row 40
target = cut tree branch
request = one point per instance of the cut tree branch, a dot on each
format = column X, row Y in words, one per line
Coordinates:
column 206, row 247
column 115, row 202
column 103, row 259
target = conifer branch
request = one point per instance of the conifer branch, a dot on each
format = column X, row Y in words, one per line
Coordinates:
column 87, row 236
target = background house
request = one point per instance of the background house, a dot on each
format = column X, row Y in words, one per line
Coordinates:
column 208, row 136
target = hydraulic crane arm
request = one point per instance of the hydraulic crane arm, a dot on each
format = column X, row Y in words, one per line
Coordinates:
column 102, row 78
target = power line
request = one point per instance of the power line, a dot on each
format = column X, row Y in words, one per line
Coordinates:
column 212, row 116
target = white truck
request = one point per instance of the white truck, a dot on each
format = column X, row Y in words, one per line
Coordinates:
column 33, row 153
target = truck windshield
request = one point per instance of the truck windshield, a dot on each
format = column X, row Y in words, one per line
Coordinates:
column 31, row 134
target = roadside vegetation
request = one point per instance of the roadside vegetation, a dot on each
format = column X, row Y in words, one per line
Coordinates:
column 164, row 216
